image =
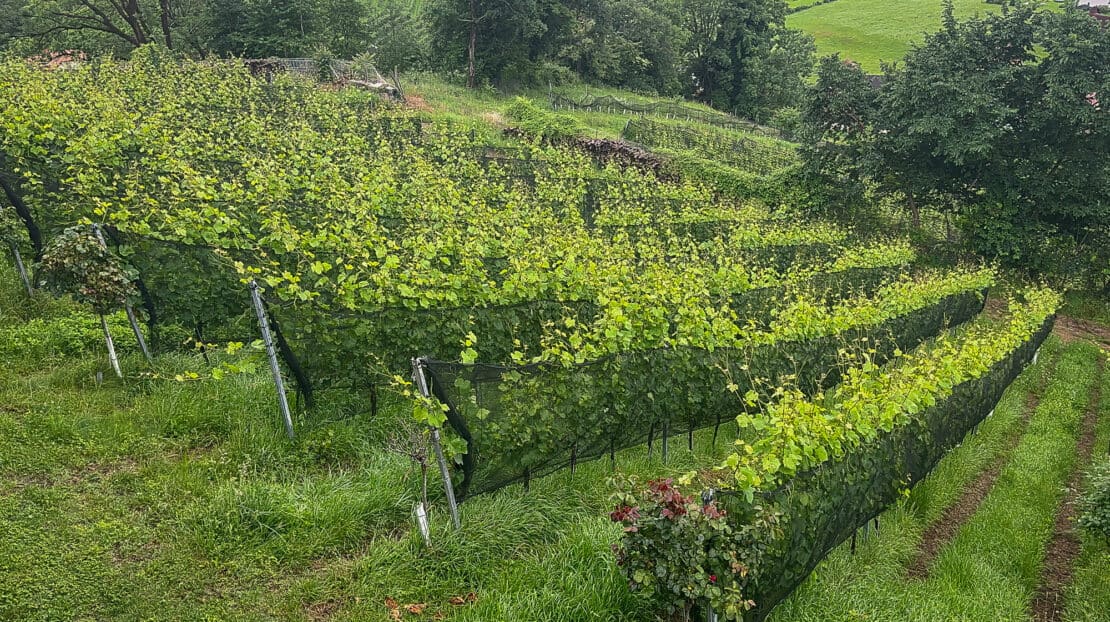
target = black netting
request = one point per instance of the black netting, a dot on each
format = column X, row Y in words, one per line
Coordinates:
column 748, row 153
column 672, row 110
column 821, row 508
column 521, row 422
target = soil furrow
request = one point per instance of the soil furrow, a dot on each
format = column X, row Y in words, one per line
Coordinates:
column 943, row 530
column 1064, row 548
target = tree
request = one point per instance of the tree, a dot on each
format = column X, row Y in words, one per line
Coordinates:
column 397, row 35
column 1000, row 119
column 493, row 39
column 634, row 44
column 737, row 48
column 122, row 19
column 262, row 28
column 780, row 78
column 836, row 130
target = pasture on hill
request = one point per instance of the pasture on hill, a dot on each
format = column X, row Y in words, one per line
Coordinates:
column 870, row 32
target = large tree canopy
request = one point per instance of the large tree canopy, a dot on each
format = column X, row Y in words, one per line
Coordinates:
column 999, row 118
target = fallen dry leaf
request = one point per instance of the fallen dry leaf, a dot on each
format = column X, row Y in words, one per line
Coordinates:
column 416, row 608
column 462, row 600
column 394, row 609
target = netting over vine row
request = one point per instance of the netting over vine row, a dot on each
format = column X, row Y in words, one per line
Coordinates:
column 672, row 110
column 521, row 422
column 823, row 507
column 757, row 154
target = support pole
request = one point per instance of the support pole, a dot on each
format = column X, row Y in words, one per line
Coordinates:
column 666, row 440
column 111, row 346
column 127, row 306
column 422, row 385
column 22, row 270
column 275, row 369
column 138, row 333
column 707, row 497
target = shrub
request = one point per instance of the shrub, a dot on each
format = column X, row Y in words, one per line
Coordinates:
column 537, row 122
column 1095, row 502
column 678, row 550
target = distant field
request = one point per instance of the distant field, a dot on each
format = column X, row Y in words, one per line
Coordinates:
column 871, row 31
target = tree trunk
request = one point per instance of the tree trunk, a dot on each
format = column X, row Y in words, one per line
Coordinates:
column 470, row 48
column 915, row 210
column 165, row 6
column 33, row 232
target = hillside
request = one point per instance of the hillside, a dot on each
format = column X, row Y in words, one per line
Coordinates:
column 479, row 298
column 874, row 31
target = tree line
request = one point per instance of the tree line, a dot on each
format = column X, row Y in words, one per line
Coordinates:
column 737, row 55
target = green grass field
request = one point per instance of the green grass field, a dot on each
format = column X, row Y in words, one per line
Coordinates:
column 873, row 31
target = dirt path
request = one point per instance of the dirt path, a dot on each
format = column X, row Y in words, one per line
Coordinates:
column 1064, row 548
column 1070, row 328
column 1067, row 328
column 945, row 528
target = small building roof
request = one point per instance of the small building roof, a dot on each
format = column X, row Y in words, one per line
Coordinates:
column 1092, row 3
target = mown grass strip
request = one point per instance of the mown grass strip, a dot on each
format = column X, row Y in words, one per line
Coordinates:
column 991, row 569
column 1087, row 598
column 941, row 531
column 1064, row 548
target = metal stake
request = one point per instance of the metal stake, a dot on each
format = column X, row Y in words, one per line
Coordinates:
column 138, row 333
column 422, row 385
column 111, row 346
column 127, row 306
column 422, row 522
column 264, row 326
column 22, row 270
column 666, row 440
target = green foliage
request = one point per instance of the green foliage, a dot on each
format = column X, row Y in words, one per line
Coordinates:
column 726, row 180
column 737, row 49
column 834, row 445
column 397, row 36
column 751, row 152
column 1094, row 503
column 833, row 132
column 76, row 263
column 58, row 338
column 997, row 118
column 679, row 551
column 798, row 433
column 549, row 126
column 12, row 230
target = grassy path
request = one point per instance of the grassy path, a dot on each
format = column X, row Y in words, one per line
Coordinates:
column 1087, row 597
column 991, row 569
column 1063, row 549
column 945, row 528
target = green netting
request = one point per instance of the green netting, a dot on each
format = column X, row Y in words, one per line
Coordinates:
column 757, row 154
column 672, row 110
column 388, row 339
column 521, row 422
column 822, row 508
